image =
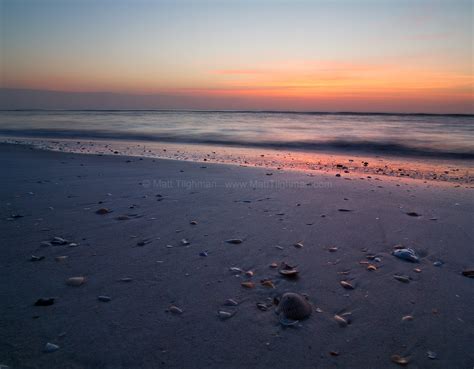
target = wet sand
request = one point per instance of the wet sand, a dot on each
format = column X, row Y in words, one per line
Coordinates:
column 135, row 255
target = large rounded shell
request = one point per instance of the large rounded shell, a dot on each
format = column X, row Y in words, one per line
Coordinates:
column 294, row 306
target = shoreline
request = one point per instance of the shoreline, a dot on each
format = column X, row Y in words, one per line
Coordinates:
column 347, row 165
column 136, row 256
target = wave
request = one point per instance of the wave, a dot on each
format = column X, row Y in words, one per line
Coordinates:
column 354, row 145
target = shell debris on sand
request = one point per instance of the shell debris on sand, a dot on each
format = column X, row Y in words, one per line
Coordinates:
column 400, row 360
column 76, row 281
column 224, row 315
column 405, row 254
column 175, row 310
column 234, row 241
column 293, row 306
column 230, row 302
column 402, row 278
column 248, row 284
column 346, row 285
column 298, row 245
column 50, row 347
column 288, row 270
column 267, row 283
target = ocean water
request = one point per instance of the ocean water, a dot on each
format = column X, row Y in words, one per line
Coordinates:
column 415, row 135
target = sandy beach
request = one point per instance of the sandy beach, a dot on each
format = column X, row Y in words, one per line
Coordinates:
column 157, row 256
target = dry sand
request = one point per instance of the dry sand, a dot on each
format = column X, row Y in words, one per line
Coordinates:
column 49, row 194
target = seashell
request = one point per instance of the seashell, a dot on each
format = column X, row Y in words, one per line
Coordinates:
column 184, row 242
column 249, row 273
column 293, row 306
column 236, row 270
column 234, row 241
column 468, row 273
column 175, row 310
column 406, row 254
column 104, row 298
column 267, row 283
column 290, row 273
column 103, row 211
column 343, row 322
column 371, row 267
column 400, row 360
column 332, row 249
column 298, row 245
column 248, row 284
column 36, row 258
column 230, row 302
column 273, row 265
column 58, row 241
column 432, row 355
column 346, row 285
column 76, row 281
column 402, row 278
column 193, row 222
column 224, row 314
column 262, row 306
column 418, row 270
column 45, row 302
column 50, row 347
column 407, row 318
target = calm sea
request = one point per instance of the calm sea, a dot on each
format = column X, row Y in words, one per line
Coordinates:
column 443, row 136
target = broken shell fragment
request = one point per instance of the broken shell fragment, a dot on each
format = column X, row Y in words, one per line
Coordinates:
column 76, row 281
column 400, row 360
column 224, row 314
column 175, row 310
column 407, row 318
column 342, row 321
column 290, row 273
column 267, row 283
column 299, row 245
column 230, row 302
column 104, row 298
column 346, row 285
column 249, row 273
column 234, row 241
column 402, row 278
column 273, row 265
column 248, row 284
column 50, row 347
column 294, row 306
column 371, row 267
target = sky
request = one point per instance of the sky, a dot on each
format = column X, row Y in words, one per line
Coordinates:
column 380, row 55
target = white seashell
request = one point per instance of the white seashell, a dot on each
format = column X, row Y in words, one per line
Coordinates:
column 76, row 281
column 224, row 314
column 50, row 347
column 230, row 302
column 175, row 310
